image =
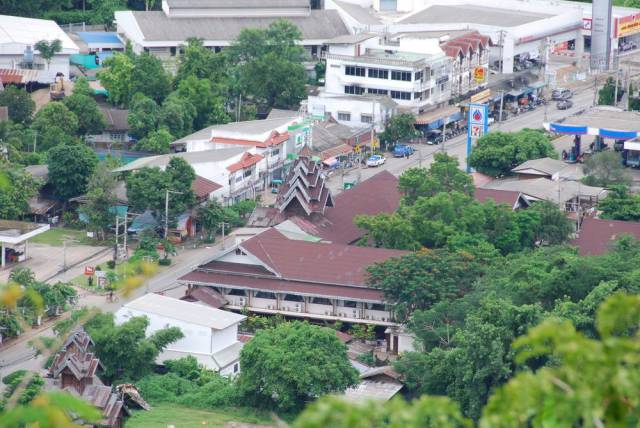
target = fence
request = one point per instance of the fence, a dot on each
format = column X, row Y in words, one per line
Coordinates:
column 82, row 26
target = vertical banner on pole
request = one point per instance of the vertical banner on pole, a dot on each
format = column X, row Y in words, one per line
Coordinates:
column 478, row 126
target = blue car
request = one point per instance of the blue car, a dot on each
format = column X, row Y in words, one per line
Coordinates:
column 402, row 150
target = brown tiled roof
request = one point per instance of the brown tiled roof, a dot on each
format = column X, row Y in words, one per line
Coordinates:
column 274, row 139
column 208, row 296
column 376, row 195
column 219, row 266
column 304, row 188
column 508, row 197
column 203, row 187
column 597, row 235
column 313, row 261
column 247, row 160
column 284, row 286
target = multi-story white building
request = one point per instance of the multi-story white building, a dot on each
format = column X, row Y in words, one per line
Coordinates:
column 18, row 56
column 412, row 72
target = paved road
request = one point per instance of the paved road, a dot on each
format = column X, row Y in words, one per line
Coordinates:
column 458, row 146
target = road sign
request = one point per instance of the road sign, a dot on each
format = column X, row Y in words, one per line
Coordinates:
column 356, row 149
column 89, row 270
column 102, row 278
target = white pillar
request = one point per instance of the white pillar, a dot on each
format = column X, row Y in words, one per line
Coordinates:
column 579, row 47
column 508, row 48
column 2, row 261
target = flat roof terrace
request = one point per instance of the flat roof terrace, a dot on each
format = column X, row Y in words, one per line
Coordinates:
column 458, row 14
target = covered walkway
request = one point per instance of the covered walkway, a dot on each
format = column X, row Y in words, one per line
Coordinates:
column 14, row 236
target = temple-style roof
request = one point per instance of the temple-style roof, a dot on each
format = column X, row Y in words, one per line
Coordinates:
column 304, row 189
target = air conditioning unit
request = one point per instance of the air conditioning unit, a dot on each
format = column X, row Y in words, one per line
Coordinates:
column 242, row 301
column 327, row 313
column 269, row 307
column 366, row 317
column 383, row 319
column 297, row 308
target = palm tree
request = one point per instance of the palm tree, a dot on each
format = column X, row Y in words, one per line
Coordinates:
column 48, row 49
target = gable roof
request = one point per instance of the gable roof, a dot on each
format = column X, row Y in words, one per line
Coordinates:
column 181, row 310
column 117, row 119
column 304, row 187
column 203, row 187
column 596, row 234
column 247, row 160
column 545, row 166
column 191, row 158
column 509, row 197
column 338, row 264
column 548, row 190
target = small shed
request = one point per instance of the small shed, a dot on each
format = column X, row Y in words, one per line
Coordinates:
column 14, row 236
column 379, row 383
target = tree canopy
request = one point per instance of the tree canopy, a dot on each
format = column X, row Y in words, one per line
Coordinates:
column 99, row 207
column 19, row 103
column 399, row 129
column 85, row 108
column 497, row 153
column 70, row 168
column 605, row 169
column 14, row 199
column 286, row 366
column 620, row 204
column 55, row 124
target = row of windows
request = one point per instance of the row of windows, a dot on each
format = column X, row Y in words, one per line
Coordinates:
column 381, row 73
column 313, row 300
column 377, row 91
column 346, row 117
column 354, row 90
column 400, row 95
column 396, row 95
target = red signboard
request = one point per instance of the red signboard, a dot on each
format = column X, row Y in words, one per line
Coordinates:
column 89, row 270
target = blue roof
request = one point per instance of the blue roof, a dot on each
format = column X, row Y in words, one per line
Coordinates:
column 100, row 37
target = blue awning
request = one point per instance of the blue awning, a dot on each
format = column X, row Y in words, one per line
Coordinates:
column 617, row 135
column 568, row 129
column 454, row 117
column 436, row 124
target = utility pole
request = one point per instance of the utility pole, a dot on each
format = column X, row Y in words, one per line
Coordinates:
column 501, row 108
column 115, row 249
column 222, row 225
column 615, row 89
column 166, row 211
column 595, row 89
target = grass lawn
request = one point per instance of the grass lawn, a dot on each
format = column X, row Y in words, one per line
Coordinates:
column 163, row 415
column 126, row 270
column 56, row 235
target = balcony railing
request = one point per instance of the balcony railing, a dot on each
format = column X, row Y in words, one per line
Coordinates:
column 31, row 65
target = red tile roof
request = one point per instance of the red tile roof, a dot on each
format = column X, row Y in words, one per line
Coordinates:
column 247, row 160
column 274, row 139
column 508, row 197
column 203, row 187
column 316, row 262
column 596, row 235
column 10, row 76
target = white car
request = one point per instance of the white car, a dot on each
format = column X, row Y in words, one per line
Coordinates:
column 375, row 160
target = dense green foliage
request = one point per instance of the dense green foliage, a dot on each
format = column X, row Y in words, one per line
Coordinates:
column 620, row 204
column 123, row 349
column 608, row 92
column 13, row 381
column 399, row 128
column 19, row 102
column 14, row 199
column 99, row 207
column 497, row 153
column 55, row 125
column 286, row 366
column 85, row 108
column 605, row 169
column 70, row 168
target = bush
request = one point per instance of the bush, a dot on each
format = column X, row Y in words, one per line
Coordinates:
column 216, row 392
column 164, row 388
column 111, row 264
column 164, row 262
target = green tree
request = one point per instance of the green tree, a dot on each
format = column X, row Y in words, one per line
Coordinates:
column 286, row 366
column 419, row 280
column 55, row 124
column 70, row 167
column 399, row 128
column 606, row 94
column 554, row 227
column 143, row 116
column 203, row 96
column 497, row 153
column 14, row 199
column 81, row 87
column 443, row 175
column 124, row 351
column 604, row 169
column 90, row 119
column 269, row 64
column 155, row 142
column 620, row 204
column 426, row 412
column 593, row 383
column 99, row 207
column 19, row 103
column 150, row 78
column 210, row 215
column 202, row 63
column 48, row 49
column 117, row 78
column 392, row 231
column 177, row 115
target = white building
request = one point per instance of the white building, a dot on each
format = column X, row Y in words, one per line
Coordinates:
column 17, row 39
column 210, row 335
column 214, row 165
column 219, row 23
column 413, row 72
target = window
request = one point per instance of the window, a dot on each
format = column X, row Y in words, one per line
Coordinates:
column 377, row 91
column 293, row 298
column 401, row 75
column 275, row 152
column 354, row 90
column 378, row 73
column 247, row 173
column 344, row 116
column 418, row 75
column 417, row 95
column 352, row 70
column 377, row 307
column 321, row 301
column 400, row 95
column 172, row 50
column 265, row 295
column 349, row 304
column 442, row 87
column 236, row 368
column 235, row 292
column 366, row 118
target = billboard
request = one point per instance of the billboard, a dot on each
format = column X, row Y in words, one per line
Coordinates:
column 601, row 34
column 628, row 25
column 478, row 126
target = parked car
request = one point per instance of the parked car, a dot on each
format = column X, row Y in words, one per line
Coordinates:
column 375, row 160
column 561, row 94
column 564, row 105
column 402, row 150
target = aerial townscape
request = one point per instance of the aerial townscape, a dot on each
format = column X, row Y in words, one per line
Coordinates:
column 319, row 213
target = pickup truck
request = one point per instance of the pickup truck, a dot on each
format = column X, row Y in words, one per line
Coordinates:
column 402, row 150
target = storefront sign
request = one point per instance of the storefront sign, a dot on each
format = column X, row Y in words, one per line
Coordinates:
column 478, row 126
column 481, row 96
column 89, row 270
column 478, row 74
column 628, row 25
column 586, row 24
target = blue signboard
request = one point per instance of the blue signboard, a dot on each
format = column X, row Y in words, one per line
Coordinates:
column 478, row 126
